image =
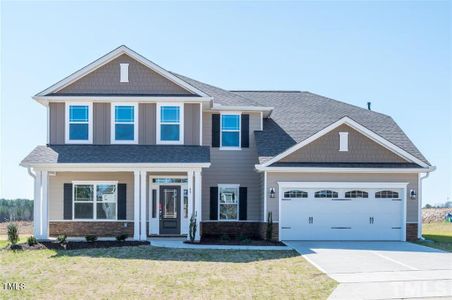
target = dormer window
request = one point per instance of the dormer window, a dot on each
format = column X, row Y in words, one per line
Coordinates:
column 79, row 123
column 124, row 128
column 170, row 118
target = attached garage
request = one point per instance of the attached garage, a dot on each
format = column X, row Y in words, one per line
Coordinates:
column 342, row 211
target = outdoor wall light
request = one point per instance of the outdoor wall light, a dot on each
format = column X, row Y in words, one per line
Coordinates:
column 412, row 194
column 272, row 193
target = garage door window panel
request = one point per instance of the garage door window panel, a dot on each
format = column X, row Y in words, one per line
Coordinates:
column 326, row 194
column 386, row 194
column 356, row 194
column 295, row 194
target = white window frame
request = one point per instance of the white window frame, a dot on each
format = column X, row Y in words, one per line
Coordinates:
column 220, row 186
column 221, row 130
column 181, row 123
column 94, row 202
column 343, row 141
column 123, row 72
column 90, row 123
column 113, row 123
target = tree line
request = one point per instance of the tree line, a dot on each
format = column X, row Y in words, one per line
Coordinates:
column 16, row 210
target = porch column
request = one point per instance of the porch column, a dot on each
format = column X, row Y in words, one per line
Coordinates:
column 136, row 205
column 198, row 208
column 143, row 235
column 37, row 206
column 190, row 198
column 45, row 206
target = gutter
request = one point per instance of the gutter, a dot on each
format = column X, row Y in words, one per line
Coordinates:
column 421, row 178
column 31, row 173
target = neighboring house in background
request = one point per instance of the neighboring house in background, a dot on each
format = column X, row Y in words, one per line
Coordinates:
column 133, row 148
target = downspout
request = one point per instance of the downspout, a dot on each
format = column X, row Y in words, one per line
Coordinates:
column 419, row 225
column 31, row 173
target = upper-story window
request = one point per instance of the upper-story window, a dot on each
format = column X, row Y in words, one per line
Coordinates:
column 230, row 131
column 79, row 123
column 170, row 123
column 124, row 125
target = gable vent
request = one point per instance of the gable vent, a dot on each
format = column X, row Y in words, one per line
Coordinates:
column 124, row 72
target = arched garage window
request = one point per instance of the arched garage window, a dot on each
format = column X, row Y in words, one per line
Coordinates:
column 325, row 194
column 356, row 194
column 386, row 194
column 295, row 194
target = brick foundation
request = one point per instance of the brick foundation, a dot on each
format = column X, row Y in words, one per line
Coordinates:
column 411, row 232
column 101, row 229
column 254, row 230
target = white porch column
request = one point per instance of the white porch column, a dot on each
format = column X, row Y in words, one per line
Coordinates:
column 190, row 198
column 37, row 206
column 143, row 232
column 45, row 206
column 198, row 208
column 136, row 205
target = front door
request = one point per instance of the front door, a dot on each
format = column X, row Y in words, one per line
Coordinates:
column 169, row 209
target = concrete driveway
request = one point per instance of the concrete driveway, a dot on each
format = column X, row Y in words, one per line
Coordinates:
column 381, row 270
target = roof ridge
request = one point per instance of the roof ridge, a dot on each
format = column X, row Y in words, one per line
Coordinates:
column 266, row 91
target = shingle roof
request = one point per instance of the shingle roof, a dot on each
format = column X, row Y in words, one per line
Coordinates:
column 299, row 115
column 117, row 154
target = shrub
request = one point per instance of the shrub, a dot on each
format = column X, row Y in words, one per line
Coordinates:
column 91, row 238
column 193, row 227
column 225, row 237
column 31, row 241
column 62, row 238
column 269, row 233
column 243, row 237
column 13, row 233
column 245, row 241
column 122, row 237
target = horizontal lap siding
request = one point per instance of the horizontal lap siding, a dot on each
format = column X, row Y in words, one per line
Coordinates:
column 274, row 178
column 232, row 167
column 56, row 189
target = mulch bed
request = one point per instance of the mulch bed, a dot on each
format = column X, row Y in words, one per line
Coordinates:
column 72, row 245
column 237, row 242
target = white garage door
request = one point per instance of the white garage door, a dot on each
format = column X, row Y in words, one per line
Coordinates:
column 327, row 213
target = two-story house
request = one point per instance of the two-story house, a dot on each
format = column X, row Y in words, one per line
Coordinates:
column 133, row 148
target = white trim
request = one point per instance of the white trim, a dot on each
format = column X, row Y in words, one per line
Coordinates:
column 113, row 123
column 231, row 113
column 358, row 127
column 262, row 121
column 340, row 170
column 123, row 72
column 136, row 205
column 108, row 99
column 218, row 108
column 45, row 205
column 99, row 167
column 265, row 196
column 200, row 124
column 198, row 202
column 181, row 124
column 343, row 141
column 94, row 183
column 111, row 56
column 93, row 221
column 235, row 186
column 48, row 124
column 143, row 233
column 90, row 123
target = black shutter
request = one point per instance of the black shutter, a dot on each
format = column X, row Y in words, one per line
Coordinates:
column 245, row 131
column 67, row 215
column 122, row 201
column 243, row 200
column 214, row 203
column 215, row 130
column 154, row 203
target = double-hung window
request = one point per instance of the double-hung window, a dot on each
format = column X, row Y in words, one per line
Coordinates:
column 95, row 200
column 170, row 124
column 230, row 131
column 79, row 123
column 124, row 126
column 228, row 202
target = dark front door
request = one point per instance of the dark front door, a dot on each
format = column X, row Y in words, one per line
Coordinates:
column 169, row 209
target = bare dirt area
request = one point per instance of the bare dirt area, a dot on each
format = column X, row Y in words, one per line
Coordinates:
column 434, row 215
column 25, row 228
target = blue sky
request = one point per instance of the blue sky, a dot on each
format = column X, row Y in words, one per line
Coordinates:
column 395, row 54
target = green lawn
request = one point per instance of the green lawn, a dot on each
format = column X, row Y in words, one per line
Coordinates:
column 439, row 233
column 134, row 272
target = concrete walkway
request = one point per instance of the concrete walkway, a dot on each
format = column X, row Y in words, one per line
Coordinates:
column 178, row 243
column 381, row 270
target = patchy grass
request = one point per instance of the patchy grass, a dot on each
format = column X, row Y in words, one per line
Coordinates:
column 147, row 271
column 438, row 234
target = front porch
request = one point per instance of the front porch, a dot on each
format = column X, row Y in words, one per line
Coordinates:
column 141, row 202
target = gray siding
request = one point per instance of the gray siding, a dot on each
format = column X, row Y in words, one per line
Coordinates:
column 142, row 81
column 101, row 123
column 232, row 167
column 360, row 149
column 146, row 123
column 191, row 123
column 412, row 179
column 56, row 123
column 56, row 203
